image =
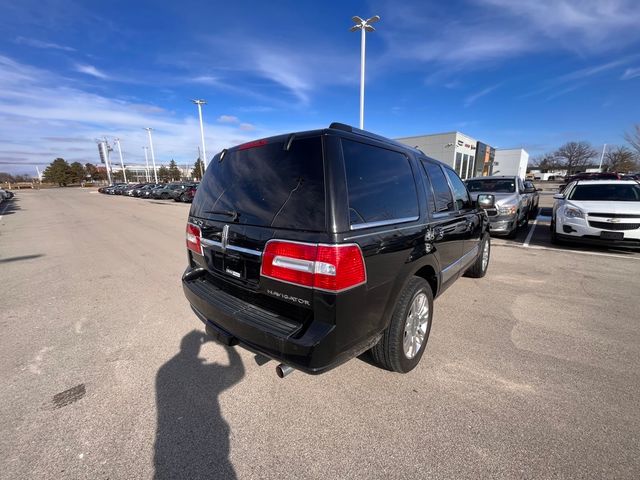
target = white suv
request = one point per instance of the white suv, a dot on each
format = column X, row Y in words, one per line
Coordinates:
column 603, row 212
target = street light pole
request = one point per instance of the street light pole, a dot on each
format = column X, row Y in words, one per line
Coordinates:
column 146, row 163
column 124, row 172
column 199, row 103
column 364, row 26
column 153, row 156
column 604, row 148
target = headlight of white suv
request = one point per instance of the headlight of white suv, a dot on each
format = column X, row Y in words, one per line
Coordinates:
column 507, row 209
column 571, row 212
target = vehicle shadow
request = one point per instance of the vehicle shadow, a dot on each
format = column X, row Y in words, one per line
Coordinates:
column 20, row 258
column 192, row 437
column 8, row 207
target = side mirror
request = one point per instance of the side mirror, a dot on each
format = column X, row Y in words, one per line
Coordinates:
column 529, row 190
column 538, row 189
column 558, row 196
column 486, row 201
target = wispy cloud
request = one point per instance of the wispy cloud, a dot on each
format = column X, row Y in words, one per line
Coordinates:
column 228, row 119
column 91, row 70
column 298, row 72
column 470, row 100
column 33, row 42
column 493, row 31
column 559, row 92
column 555, row 85
column 630, row 73
column 55, row 117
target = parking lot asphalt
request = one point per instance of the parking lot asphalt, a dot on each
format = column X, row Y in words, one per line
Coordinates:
column 531, row 372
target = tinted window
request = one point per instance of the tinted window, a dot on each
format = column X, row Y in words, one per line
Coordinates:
column 380, row 184
column 266, row 185
column 461, row 196
column 607, row 192
column 441, row 190
column 498, row 185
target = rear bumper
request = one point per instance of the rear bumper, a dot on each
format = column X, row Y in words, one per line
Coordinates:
column 309, row 347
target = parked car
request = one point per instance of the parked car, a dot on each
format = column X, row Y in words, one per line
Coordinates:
column 600, row 212
column 512, row 202
column 128, row 190
column 314, row 247
column 189, row 193
column 149, row 192
column 178, row 194
column 167, row 191
column 589, row 176
column 534, row 198
column 5, row 194
column 631, row 176
column 136, row 192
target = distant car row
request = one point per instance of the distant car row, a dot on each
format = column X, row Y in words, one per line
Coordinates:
column 177, row 191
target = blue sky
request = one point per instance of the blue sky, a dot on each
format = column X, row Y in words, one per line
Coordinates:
column 531, row 73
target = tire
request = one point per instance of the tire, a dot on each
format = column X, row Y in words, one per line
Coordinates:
column 389, row 352
column 164, row 196
column 479, row 268
column 533, row 213
column 178, row 198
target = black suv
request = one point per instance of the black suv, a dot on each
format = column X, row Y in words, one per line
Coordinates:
column 313, row 247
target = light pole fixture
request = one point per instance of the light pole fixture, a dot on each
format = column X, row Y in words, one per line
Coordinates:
column 153, row 156
column 199, row 103
column 146, row 164
column 124, row 172
column 364, row 26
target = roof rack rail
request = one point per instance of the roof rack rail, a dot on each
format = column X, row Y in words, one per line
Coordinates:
column 348, row 128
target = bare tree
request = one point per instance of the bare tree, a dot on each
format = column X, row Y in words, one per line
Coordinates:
column 634, row 138
column 547, row 162
column 575, row 155
column 621, row 159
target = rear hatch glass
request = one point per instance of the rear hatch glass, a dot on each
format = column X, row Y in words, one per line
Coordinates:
column 265, row 185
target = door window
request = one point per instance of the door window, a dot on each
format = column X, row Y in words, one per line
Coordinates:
column 441, row 191
column 460, row 194
column 380, row 184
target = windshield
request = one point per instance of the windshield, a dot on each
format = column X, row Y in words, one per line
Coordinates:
column 608, row 192
column 501, row 185
column 266, row 185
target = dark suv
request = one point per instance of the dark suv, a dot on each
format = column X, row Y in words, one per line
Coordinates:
column 313, row 247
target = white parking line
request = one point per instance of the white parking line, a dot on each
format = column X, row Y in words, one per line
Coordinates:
column 528, row 239
column 560, row 250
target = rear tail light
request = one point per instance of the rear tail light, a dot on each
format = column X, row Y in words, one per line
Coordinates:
column 332, row 268
column 194, row 236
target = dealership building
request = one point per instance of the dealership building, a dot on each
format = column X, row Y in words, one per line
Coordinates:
column 468, row 156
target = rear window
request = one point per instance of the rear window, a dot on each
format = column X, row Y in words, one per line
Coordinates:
column 613, row 192
column 380, row 185
column 266, row 186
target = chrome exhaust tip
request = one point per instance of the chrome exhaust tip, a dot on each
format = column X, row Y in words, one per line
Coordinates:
column 283, row 370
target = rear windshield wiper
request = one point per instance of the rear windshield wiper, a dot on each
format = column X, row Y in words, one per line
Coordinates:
column 229, row 213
